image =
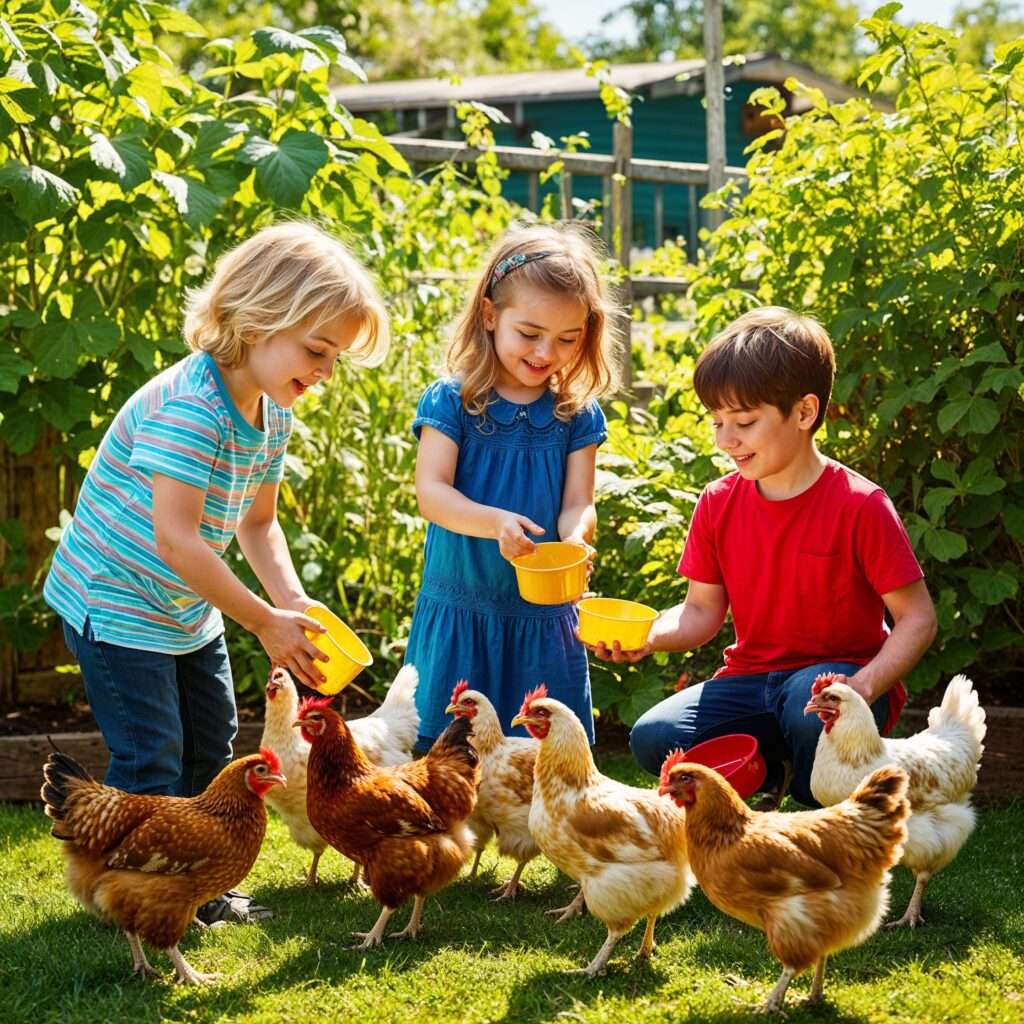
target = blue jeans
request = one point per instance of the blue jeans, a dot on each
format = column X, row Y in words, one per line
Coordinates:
column 769, row 707
column 168, row 719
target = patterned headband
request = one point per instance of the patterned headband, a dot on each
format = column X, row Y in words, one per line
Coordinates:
column 514, row 262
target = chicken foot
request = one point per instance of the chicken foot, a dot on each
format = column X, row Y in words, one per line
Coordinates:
column 311, row 878
column 187, row 974
column 778, row 994
column 600, row 962
column 575, row 909
column 818, row 984
column 375, row 936
column 509, row 889
column 912, row 915
column 647, row 947
column 412, row 929
column 140, row 965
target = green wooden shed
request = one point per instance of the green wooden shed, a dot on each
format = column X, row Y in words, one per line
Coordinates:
column 668, row 120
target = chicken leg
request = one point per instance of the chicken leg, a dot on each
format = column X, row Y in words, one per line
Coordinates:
column 375, row 936
column 818, row 984
column 912, row 915
column 187, row 974
column 647, row 946
column 140, row 965
column 778, row 994
column 600, row 962
column 510, row 888
column 311, row 878
column 412, row 929
column 574, row 909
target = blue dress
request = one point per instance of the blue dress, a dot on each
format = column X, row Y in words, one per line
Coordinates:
column 469, row 621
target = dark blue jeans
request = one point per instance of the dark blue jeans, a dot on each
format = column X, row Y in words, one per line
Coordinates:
column 168, row 719
column 770, row 707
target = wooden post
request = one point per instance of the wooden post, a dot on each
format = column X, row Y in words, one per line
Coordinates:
column 533, row 201
column 714, row 94
column 565, row 188
column 659, row 214
column 622, row 239
column 693, row 225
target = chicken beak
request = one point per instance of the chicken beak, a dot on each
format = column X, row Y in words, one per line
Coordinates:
column 451, row 709
column 298, row 723
column 519, row 720
column 279, row 779
column 812, row 707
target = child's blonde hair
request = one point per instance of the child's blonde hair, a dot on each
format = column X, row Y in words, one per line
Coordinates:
column 573, row 267
column 289, row 274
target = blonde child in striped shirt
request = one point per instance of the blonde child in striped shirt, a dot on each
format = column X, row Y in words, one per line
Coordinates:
column 192, row 460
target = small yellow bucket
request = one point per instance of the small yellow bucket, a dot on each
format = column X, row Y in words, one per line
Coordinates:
column 607, row 619
column 348, row 654
column 552, row 574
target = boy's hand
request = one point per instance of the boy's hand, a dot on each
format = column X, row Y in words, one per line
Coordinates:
column 283, row 635
column 855, row 683
column 510, row 530
column 616, row 653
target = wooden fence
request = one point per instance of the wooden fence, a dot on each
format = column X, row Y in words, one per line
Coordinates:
column 618, row 170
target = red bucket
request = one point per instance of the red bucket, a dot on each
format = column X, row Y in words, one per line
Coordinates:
column 736, row 758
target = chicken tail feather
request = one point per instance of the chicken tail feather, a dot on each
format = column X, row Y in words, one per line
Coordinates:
column 456, row 738
column 882, row 797
column 960, row 707
column 61, row 774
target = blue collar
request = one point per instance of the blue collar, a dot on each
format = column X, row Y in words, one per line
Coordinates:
column 540, row 412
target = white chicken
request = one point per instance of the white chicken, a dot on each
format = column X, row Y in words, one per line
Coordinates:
column 506, row 785
column 941, row 761
column 386, row 737
column 624, row 845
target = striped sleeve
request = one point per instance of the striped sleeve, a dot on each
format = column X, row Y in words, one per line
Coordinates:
column 279, row 445
column 181, row 439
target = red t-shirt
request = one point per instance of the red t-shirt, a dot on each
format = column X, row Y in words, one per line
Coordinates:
column 804, row 576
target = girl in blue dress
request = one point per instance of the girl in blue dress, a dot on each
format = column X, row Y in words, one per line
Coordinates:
column 507, row 449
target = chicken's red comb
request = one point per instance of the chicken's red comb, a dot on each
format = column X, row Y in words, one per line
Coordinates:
column 460, row 688
column 825, row 679
column 678, row 756
column 314, row 704
column 539, row 694
column 273, row 763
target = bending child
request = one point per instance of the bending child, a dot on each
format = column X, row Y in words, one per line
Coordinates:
column 194, row 458
column 507, row 449
column 807, row 555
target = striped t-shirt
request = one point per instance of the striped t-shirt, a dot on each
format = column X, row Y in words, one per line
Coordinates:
column 184, row 425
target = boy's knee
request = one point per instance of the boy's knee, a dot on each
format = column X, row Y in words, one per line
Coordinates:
column 649, row 743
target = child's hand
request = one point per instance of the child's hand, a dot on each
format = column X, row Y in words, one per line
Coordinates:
column 283, row 636
column 615, row 652
column 591, row 554
column 511, row 534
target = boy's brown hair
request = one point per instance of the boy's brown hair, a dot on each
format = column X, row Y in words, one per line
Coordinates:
column 769, row 356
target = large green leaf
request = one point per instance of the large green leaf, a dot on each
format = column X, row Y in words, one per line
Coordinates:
column 992, row 586
column 65, row 404
column 195, row 202
column 12, row 369
column 277, row 40
column 285, row 169
column 19, row 430
column 40, row 194
column 56, row 348
column 124, row 156
column 945, row 545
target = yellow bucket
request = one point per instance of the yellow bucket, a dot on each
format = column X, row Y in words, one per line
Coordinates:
column 348, row 654
column 552, row 574
column 607, row 619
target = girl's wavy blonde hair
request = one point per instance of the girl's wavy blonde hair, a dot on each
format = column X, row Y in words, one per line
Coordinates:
column 289, row 274
column 574, row 269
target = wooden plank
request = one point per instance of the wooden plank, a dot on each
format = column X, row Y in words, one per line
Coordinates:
column 520, row 158
column 22, row 757
column 622, row 242
column 565, row 193
column 659, row 215
column 714, row 96
column 644, row 286
column 533, row 193
column 692, row 237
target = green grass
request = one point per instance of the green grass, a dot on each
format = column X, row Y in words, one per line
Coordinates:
column 478, row 961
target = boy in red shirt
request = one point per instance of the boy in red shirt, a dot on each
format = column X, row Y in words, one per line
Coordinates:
column 807, row 554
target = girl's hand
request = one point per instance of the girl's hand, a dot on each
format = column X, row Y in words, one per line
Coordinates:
column 283, row 635
column 591, row 554
column 511, row 534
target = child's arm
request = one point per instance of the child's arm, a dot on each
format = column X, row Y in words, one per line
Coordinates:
column 441, row 503
column 261, row 539
column 578, row 519
column 682, row 628
column 914, row 628
column 177, row 512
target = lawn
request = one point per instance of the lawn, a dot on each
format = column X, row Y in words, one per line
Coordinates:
column 480, row 961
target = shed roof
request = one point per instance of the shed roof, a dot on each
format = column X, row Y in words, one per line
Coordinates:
column 656, row 78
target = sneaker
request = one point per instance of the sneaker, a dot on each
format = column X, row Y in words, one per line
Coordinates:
column 233, row 907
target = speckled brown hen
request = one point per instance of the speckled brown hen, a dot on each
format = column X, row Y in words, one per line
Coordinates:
column 624, row 845
column 406, row 823
column 147, row 862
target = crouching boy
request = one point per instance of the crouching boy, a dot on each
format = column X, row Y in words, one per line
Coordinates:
column 806, row 553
